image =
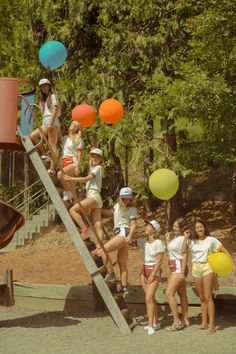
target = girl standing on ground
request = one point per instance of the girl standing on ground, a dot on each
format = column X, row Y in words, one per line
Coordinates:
column 125, row 224
column 153, row 251
column 72, row 151
column 176, row 281
column 201, row 246
column 93, row 202
column 51, row 111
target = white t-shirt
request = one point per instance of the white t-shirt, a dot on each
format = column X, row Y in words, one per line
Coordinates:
column 122, row 217
column 54, row 102
column 71, row 148
column 150, row 250
column 200, row 250
column 95, row 183
column 174, row 248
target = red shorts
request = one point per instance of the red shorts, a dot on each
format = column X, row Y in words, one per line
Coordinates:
column 176, row 266
column 147, row 270
column 68, row 161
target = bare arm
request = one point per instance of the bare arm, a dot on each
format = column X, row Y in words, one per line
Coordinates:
column 80, row 179
column 79, row 159
column 184, row 248
column 133, row 228
column 107, row 213
column 156, row 268
column 53, row 116
column 224, row 250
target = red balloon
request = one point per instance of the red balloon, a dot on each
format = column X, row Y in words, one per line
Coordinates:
column 111, row 111
column 85, row 114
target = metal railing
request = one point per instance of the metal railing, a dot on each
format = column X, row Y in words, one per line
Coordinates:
column 31, row 200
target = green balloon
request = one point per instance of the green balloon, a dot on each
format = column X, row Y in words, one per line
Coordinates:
column 163, row 183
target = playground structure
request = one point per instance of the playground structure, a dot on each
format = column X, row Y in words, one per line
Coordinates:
column 13, row 219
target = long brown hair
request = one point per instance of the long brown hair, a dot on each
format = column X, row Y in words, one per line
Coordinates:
column 46, row 98
column 195, row 235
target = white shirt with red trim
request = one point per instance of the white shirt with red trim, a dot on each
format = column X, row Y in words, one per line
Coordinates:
column 201, row 249
column 70, row 148
column 174, row 248
column 150, row 250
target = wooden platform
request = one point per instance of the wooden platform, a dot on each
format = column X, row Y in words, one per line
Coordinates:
column 72, row 298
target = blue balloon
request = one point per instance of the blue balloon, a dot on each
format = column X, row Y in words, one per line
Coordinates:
column 52, row 54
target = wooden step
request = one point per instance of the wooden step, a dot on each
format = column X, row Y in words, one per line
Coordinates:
column 129, row 318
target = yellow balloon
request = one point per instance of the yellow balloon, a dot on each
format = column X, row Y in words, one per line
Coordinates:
column 163, row 183
column 220, row 263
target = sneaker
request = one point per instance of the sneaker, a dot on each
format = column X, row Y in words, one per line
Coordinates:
column 52, row 172
column 156, row 327
column 67, row 195
column 124, row 290
column 85, row 234
column 45, row 158
column 110, row 278
column 151, row 331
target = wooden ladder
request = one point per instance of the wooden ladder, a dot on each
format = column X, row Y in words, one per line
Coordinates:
column 120, row 313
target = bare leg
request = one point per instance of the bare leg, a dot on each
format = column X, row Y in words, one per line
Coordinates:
column 184, row 302
column 122, row 261
column 52, row 140
column 151, row 302
column 88, row 204
column 68, row 185
column 208, row 282
column 35, row 137
column 112, row 245
column 200, row 289
column 172, row 286
column 96, row 220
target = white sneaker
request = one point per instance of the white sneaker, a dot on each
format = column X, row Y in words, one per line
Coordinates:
column 156, row 327
column 151, row 331
column 45, row 158
column 67, row 196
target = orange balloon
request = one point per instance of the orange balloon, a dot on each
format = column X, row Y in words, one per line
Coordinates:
column 85, row 114
column 111, row 111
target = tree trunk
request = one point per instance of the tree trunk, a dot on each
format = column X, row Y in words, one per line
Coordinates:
column 114, row 179
column 174, row 206
column 233, row 218
column 147, row 162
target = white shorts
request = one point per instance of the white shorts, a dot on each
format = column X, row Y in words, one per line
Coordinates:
column 96, row 196
column 56, row 122
column 121, row 231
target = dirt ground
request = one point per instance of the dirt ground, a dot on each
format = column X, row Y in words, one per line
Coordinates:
column 25, row 331
column 53, row 259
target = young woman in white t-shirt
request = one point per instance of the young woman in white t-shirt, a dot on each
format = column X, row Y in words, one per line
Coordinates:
column 176, row 281
column 93, row 202
column 201, row 246
column 51, row 111
column 125, row 215
column 152, row 251
column 72, row 151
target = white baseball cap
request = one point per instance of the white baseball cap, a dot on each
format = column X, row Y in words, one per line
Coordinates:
column 155, row 224
column 44, row 81
column 96, row 151
column 126, row 192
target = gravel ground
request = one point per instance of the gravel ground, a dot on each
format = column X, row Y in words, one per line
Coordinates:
column 25, row 331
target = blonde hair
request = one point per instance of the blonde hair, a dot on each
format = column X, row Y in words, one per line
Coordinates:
column 77, row 137
column 123, row 206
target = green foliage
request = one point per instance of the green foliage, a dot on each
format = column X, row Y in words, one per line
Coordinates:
column 171, row 63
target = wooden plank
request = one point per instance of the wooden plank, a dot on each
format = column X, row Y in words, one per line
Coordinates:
column 75, row 236
column 85, row 293
column 63, row 292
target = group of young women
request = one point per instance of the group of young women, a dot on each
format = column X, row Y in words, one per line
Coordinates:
column 179, row 242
